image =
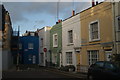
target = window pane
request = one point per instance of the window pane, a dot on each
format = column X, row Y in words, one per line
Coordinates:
column 30, row 46
column 69, row 57
column 70, row 36
column 94, row 30
column 55, row 40
column 119, row 23
column 109, row 66
column 92, row 56
column 99, row 64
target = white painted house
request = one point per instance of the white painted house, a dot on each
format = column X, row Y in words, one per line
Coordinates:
column 71, row 40
column 44, row 39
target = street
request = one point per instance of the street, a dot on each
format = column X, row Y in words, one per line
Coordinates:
column 36, row 73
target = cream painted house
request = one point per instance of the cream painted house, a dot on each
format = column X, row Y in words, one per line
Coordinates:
column 44, row 40
column 96, row 34
column 71, row 40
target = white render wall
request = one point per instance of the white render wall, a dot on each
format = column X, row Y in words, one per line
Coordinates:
column 45, row 34
column 72, row 23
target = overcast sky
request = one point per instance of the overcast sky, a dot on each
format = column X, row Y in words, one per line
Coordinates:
column 35, row 15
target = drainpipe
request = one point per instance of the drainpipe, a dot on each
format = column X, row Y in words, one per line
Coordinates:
column 114, row 28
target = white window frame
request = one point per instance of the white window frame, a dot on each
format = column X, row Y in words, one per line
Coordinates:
column 32, row 34
column 30, row 45
column 42, row 42
column 90, row 58
column 90, row 35
column 69, row 37
column 55, row 45
column 68, row 61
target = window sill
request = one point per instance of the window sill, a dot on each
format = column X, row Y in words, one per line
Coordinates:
column 118, row 30
column 68, row 64
column 30, row 48
column 70, row 44
column 95, row 40
column 55, row 46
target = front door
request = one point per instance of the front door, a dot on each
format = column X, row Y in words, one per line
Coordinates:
column 34, row 59
column 108, row 54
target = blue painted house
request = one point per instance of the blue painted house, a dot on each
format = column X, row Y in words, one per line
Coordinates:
column 29, row 49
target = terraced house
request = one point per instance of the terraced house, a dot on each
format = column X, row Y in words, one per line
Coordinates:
column 44, row 46
column 98, row 31
column 7, row 58
column 71, row 41
column 56, row 45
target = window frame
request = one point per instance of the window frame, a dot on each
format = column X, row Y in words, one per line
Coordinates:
column 90, row 31
column 29, row 46
column 69, row 60
column 42, row 43
column 90, row 56
column 69, row 41
column 55, row 45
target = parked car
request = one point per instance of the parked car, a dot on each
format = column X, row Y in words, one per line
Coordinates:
column 102, row 70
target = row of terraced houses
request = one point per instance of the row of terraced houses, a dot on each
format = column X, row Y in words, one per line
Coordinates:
column 82, row 39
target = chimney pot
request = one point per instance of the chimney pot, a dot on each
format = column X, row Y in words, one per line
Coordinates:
column 56, row 22
column 59, row 21
column 73, row 12
column 96, row 2
column 93, row 3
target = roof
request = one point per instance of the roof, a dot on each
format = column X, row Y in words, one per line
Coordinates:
column 83, row 11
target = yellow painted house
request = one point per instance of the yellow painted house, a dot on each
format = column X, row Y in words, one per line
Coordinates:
column 96, row 34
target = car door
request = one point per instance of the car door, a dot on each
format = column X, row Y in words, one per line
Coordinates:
column 97, row 70
column 109, row 70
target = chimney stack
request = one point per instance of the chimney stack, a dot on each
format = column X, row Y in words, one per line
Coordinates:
column 59, row 21
column 73, row 12
column 56, row 22
column 93, row 3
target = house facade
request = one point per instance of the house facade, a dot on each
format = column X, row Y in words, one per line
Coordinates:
column 56, row 45
column 44, row 47
column 1, row 25
column 6, row 33
column 29, row 50
column 96, row 34
column 71, row 41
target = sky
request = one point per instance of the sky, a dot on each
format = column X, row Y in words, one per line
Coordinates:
column 31, row 16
